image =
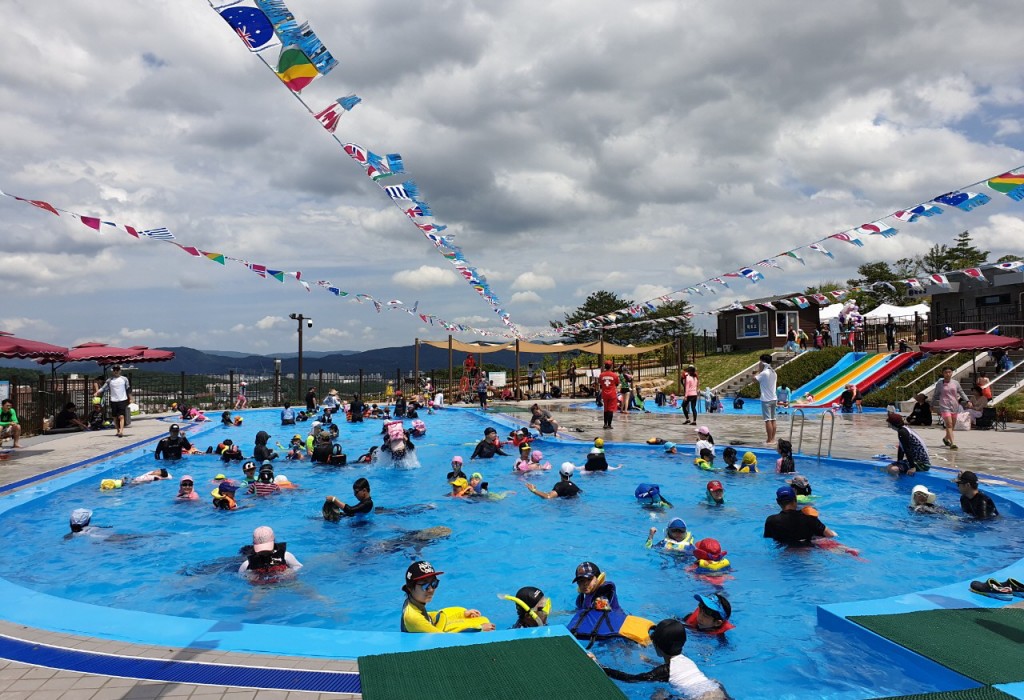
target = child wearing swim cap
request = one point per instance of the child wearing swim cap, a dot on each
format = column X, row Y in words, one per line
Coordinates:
column 460, row 487
column 711, row 615
column 749, row 463
column 677, row 537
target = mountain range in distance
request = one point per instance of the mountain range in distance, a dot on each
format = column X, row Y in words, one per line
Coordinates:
column 379, row 361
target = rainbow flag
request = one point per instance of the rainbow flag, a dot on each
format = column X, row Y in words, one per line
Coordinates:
column 1011, row 184
column 294, row 69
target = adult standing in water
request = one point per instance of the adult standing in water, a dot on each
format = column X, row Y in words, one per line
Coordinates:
column 949, row 396
column 768, row 381
column 608, row 383
column 311, row 401
column 120, row 391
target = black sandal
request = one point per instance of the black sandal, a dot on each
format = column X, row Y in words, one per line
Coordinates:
column 1014, row 585
column 992, row 589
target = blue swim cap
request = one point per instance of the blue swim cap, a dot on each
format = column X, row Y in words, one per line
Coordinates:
column 785, row 494
column 669, row 445
column 676, row 524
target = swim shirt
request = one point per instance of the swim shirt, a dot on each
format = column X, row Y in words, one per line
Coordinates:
column 793, row 527
column 416, row 618
column 566, row 489
column 361, row 508
column 118, row 388
column 980, row 507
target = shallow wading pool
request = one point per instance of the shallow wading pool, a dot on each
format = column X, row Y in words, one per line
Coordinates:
column 182, row 559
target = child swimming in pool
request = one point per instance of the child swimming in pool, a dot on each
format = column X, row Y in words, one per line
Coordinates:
column 715, row 493
column 785, row 464
column 706, row 460
column 677, row 538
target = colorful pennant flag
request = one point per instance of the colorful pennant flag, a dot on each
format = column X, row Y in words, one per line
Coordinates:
column 1011, row 265
column 821, row 249
column 159, row 234
column 914, row 213
column 793, row 254
column 938, row 279
column 251, row 25
column 965, row 201
column 751, row 274
column 877, row 228
column 294, row 69
column 1011, row 184
column 848, row 237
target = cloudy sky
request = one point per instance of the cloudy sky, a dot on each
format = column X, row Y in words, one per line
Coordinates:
column 636, row 147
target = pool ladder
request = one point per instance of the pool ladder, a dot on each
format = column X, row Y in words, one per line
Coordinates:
column 821, row 430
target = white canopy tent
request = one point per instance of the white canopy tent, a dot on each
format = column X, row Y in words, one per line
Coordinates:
column 881, row 312
column 827, row 313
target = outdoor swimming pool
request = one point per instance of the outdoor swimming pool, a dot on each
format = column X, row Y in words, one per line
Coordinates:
column 184, row 562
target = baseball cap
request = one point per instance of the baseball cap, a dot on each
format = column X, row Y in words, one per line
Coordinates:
column 457, row 460
column 669, row 637
column 676, row 524
column 966, row 477
column 669, row 446
column 419, row 571
column 785, row 494
column 227, row 486
column 460, row 482
column 608, row 363
column 715, row 485
column 249, row 466
column 263, row 539
column 567, row 469
column 704, row 430
column 174, row 428
column 587, row 569
column 525, row 447
column 719, row 607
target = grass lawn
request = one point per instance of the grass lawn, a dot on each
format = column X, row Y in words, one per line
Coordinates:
column 715, row 369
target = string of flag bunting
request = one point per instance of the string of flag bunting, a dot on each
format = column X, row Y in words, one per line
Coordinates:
column 263, row 25
column 1010, row 183
column 266, row 272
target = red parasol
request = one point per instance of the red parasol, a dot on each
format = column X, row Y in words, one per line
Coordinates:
column 972, row 340
column 29, row 349
column 144, row 354
column 102, row 353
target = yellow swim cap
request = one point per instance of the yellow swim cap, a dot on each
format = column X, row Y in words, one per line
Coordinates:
column 598, row 442
column 749, row 458
column 108, row 484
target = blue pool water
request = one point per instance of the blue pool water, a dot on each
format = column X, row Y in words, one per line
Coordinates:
column 751, row 407
column 183, row 562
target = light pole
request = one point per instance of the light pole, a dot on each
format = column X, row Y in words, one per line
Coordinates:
column 298, row 380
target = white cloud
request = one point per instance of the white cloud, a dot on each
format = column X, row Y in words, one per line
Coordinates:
column 139, row 334
column 425, row 277
column 526, row 298
column 273, row 322
column 531, row 280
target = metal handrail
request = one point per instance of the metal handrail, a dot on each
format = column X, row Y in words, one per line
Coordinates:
column 831, row 432
column 803, row 419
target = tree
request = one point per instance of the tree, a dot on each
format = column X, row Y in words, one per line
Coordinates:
column 942, row 258
column 1008, row 258
column 824, row 287
column 881, row 272
column 601, row 302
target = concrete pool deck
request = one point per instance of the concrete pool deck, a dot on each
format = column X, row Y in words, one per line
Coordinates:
column 859, row 436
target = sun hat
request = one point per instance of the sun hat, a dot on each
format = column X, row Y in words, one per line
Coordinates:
column 263, row 539
column 219, row 477
column 316, row 424
column 719, row 607
column 567, row 469
column 785, row 494
column 703, row 430
column 186, row 478
column 921, row 488
column 419, row 571
column 587, row 569
column 709, row 549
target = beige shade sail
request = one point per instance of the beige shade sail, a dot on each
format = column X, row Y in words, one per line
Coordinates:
column 468, row 347
column 614, row 350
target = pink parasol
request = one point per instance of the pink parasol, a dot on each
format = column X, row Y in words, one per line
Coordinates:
column 972, row 340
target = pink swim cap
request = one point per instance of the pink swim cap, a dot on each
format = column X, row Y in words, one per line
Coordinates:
column 536, row 456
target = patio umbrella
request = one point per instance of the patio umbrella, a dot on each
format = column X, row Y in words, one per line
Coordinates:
column 972, row 340
column 101, row 353
column 22, row 348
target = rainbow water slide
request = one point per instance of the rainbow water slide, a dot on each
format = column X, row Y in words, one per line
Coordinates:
column 865, row 372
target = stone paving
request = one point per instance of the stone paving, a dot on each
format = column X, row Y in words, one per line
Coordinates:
column 857, row 436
